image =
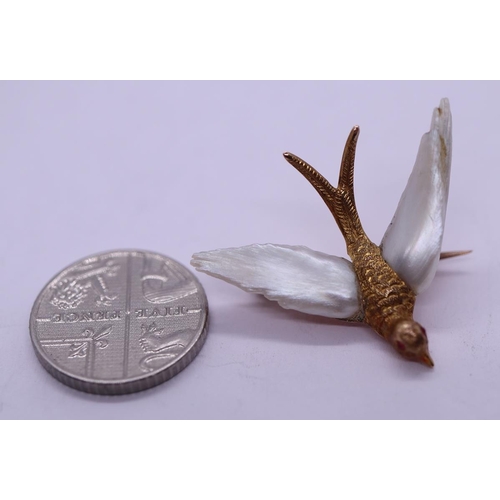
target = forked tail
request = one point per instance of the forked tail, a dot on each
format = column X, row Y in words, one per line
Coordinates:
column 339, row 200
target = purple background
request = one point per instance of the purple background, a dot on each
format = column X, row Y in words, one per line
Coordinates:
column 178, row 167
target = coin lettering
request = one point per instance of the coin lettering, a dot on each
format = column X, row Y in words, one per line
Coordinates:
column 86, row 316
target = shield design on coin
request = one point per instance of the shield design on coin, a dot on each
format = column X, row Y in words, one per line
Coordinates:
column 164, row 282
column 71, row 291
column 159, row 344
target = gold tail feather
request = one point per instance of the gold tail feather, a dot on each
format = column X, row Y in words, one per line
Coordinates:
column 339, row 200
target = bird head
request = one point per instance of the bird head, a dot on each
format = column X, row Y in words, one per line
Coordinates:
column 409, row 338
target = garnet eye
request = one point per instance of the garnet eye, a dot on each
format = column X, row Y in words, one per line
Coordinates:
column 400, row 345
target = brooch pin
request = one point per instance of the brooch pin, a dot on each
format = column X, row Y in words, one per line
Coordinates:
column 380, row 285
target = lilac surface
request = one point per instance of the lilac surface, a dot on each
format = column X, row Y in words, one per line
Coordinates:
column 179, row 167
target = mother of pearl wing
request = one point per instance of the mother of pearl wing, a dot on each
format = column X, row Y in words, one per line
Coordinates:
column 295, row 276
column 412, row 243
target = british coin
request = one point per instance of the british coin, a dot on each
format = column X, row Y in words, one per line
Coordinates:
column 119, row 322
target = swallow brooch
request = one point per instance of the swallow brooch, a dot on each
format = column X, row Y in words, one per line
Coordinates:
column 380, row 285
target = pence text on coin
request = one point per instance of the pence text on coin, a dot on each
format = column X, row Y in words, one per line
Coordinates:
column 119, row 322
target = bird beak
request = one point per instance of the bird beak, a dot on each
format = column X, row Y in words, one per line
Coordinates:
column 426, row 360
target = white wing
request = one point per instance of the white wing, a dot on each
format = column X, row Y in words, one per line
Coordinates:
column 295, row 276
column 412, row 243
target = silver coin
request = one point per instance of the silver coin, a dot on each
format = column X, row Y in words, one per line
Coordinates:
column 119, row 322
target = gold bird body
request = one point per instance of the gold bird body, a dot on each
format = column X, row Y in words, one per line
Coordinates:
column 379, row 287
column 387, row 301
